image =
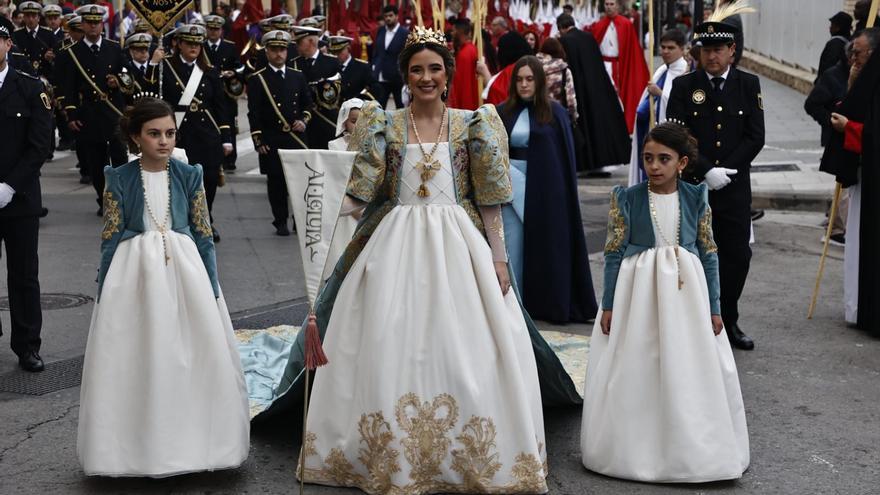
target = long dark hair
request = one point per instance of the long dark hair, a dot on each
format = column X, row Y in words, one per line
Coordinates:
column 677, row 137
column 542, row 111
column 407, row 54
column 143, row 111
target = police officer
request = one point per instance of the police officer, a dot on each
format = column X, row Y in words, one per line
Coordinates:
column 357, row 76
column 24, row 124
column 257, row 58
column 63, row 65
column 33, row 40
column 279, row 103
column 192, row 86
column 94, row 96
column 723, row 109
column 138, row 64
column 322, row 73
column 52, row 16
column 223, row 55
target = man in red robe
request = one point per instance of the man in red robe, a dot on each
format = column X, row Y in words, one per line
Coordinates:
column 463, row 93
column 624, row 60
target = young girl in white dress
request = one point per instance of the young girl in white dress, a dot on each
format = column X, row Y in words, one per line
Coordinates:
column 162, row 389
column 662, row 400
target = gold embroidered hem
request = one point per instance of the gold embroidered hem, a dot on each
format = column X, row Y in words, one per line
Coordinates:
column 112, row 218
column 201, row 219
column 427, row 444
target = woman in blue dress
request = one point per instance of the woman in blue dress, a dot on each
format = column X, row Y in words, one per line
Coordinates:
column 543, row 229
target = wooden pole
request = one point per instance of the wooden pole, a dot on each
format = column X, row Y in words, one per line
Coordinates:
column 834, row 204
column 872, row 16
column 651, row 106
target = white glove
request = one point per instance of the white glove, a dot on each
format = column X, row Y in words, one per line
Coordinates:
column 718, row 177
column 6, row 194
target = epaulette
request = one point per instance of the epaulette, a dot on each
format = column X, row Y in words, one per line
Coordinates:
column 18, row 29
column 227, row 41
column 45, row 28
column 111, row 41
column 360, row 61
column 293, row 69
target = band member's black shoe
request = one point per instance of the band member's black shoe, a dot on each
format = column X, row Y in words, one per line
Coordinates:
column 738, row 339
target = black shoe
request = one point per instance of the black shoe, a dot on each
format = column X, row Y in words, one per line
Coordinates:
column 738, row 339
column 100, row 212
column 216, row 234
column 757, row 215
column 837, row 239
column 31, row 361
column 45, row 211
column 282, row 230
column 229, row 167
column 85, row 179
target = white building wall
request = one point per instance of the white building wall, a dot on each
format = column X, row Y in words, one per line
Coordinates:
column 790, row 31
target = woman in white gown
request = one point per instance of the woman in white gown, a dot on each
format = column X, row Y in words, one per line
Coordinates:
column 162, row 389
column 662, row 399
column 431, row 385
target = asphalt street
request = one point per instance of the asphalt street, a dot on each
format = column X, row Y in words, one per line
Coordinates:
column 811, row 387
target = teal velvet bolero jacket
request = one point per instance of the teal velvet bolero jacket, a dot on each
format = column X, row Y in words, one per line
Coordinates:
column 123, row 203
column 630, row 232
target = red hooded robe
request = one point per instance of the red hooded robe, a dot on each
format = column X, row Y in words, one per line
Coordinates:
column 629, row 71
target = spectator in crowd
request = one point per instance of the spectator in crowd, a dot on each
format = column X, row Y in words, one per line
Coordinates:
column 560, row 82
column 390, row 39
column 834, row 52
column 827, row 93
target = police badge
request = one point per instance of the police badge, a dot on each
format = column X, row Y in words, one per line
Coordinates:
column 699, row 97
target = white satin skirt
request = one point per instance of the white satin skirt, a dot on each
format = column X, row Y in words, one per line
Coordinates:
column 431, row 385
column 662, row 400
column 162, row 389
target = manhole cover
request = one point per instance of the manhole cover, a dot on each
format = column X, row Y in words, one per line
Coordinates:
column 53, row 301
column 57, row 376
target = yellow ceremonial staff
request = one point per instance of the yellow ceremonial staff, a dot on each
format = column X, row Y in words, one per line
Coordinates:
column 479, row 15
column 872, row 16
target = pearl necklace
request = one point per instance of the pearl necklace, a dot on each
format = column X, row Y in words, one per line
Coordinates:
column 428, row 165
column 663, row 237
column 162, row 226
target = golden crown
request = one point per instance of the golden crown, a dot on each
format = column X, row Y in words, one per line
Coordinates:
column 421, row 34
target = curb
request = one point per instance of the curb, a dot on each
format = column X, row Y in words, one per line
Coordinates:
column 791, row 202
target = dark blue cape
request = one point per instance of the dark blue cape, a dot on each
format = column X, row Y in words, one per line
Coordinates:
column 557, row 285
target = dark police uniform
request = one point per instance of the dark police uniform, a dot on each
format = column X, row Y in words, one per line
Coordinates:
column 25, row 124
column 89, row 99
column 322, row 74
column 729, row 126
column 224, row 56
column 206, row 123
column 34, row 46
column 358, row 81
column 291, row 96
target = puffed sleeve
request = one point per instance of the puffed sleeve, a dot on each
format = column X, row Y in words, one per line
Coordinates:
column 708, row 251
column 368, row 140
column 615, row 243
column 113, row 204
column 489, row 159
column 200, row 226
